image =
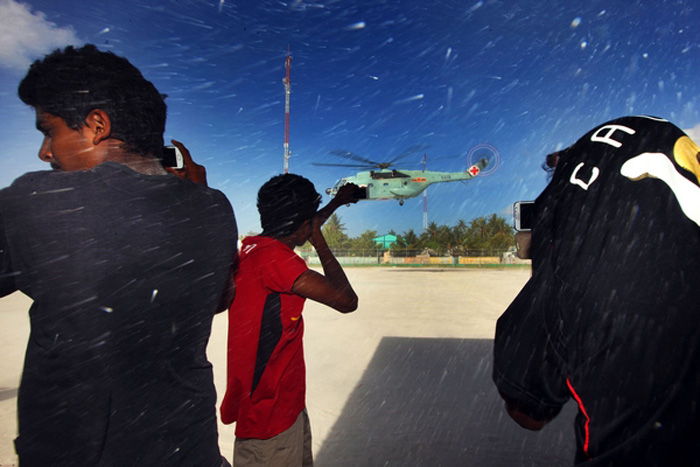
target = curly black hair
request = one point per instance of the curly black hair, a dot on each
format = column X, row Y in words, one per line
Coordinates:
column 285, row 202
column 70, row 83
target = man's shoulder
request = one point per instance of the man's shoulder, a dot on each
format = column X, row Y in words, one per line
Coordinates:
column 202, row 191
column 32, row 177
column 213, row 193
column 269, row 262
column 256, row 244
column 267, row 250
column 33, row 181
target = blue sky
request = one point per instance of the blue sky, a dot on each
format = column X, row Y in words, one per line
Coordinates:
column 374, row 78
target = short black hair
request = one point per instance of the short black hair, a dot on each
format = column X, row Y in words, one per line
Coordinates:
column 71, row 83
column 285, row 202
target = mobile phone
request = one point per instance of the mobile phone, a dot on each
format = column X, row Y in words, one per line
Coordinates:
column 523, row 215
column 360, row 192
column 172, row 157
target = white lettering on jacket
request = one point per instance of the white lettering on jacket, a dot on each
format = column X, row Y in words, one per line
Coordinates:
column 609, row 130
column 595, row 171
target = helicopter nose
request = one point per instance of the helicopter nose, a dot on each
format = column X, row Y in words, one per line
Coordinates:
column 328, row 191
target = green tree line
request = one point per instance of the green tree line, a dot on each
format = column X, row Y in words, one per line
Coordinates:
column 491, row 233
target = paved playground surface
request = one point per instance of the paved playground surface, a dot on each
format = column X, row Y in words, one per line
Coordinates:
column 403, row 381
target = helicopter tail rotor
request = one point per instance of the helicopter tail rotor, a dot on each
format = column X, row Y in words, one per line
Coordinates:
column 485, row 157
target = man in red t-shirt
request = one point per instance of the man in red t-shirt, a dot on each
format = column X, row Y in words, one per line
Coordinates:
column 266, row 385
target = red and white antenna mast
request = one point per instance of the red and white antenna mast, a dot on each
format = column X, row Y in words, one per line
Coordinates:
column 287, row 91
column 425, row 197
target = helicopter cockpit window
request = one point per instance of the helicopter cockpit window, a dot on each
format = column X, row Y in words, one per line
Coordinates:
column 384, row 175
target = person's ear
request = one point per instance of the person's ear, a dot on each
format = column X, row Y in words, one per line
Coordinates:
column 99, row 124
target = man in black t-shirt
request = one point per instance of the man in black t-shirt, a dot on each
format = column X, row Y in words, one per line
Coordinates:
column 610, row 317
column 126, row 266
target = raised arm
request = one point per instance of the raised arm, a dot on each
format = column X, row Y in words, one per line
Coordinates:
column 331, row 288
column 191, row 171
column 345, row 195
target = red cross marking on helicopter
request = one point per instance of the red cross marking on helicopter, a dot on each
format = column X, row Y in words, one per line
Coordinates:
column 473, row 170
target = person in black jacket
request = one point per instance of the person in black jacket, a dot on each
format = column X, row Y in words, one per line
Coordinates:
column 610, row 317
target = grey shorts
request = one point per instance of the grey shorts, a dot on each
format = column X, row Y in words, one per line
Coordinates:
column 291, row 448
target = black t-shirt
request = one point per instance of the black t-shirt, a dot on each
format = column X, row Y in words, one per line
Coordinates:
column 611, row 316
column 126, row 271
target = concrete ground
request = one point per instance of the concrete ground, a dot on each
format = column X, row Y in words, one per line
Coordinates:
column 403, row 381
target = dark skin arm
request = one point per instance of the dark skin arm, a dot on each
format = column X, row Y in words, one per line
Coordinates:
column 523, row 240
column 331, row 288
column 345, row 195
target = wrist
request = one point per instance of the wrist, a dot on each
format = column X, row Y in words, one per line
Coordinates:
column 321, row 245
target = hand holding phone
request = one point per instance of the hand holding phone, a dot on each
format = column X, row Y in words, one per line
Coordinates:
column 172, row 157
column 189, row 170
column 348, row 193
column 360, row 192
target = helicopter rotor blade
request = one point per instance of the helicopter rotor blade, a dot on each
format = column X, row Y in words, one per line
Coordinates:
column 354, row 166
column 353, row 156
column 413, row 149
column 423, row 161
column 370, row 163
column 454, row 156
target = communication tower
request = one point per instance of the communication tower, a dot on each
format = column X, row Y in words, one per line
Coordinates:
column 287, row 91
column 425, row 197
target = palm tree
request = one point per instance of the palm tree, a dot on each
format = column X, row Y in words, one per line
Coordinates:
column 460, row 229
column 364, row 245
column 501, row 234
column 334, row 232
column 411, row 240
column 333, row 224
column 406, row 244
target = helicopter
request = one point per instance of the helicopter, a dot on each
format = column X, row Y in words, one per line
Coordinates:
column 381, row 182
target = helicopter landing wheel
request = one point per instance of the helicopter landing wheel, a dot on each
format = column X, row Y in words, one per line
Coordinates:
column 400, row 202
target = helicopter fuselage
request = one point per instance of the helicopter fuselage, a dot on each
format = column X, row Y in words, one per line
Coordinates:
column 402, row 184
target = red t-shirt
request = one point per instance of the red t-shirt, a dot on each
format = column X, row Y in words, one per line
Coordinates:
column 266, row 381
